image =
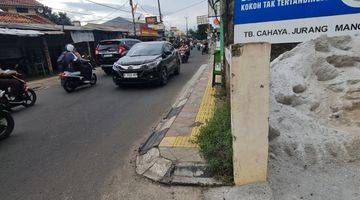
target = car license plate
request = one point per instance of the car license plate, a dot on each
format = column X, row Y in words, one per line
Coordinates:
column 130, row 75
column 108, row 55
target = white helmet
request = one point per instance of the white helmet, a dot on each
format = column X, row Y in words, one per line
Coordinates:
column 70, row 47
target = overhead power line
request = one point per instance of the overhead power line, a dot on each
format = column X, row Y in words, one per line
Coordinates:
column 142, row 8
column 99, row 19
column 102, row 18
column 112, row 7
column 74, row 12
column 187, row 7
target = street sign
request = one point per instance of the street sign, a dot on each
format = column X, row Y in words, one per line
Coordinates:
column 151, row 20
column 282, row 21
column 203, row 19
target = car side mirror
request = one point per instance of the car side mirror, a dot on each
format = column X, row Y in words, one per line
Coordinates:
column 166, row 54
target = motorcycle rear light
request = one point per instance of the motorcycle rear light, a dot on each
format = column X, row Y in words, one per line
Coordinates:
column 121, row 50
column 61, row 75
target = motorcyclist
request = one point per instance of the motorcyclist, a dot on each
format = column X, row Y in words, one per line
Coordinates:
column 206, row 47
column 7, row 83
column 70, row 60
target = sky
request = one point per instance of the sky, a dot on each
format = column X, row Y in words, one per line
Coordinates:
column 88, row 12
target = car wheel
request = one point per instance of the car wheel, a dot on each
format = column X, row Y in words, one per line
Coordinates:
column 164, row 76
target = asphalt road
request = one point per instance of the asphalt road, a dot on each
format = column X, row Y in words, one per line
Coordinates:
column 68, row 145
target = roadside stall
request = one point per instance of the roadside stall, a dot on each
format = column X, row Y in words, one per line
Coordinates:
column 27, row 51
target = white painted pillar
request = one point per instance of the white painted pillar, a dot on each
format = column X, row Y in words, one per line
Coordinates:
column 249, row 85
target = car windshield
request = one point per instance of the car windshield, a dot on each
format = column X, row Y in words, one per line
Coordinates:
column 108, row 46
column 146, row 49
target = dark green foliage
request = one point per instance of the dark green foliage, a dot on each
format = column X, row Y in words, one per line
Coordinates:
column 201, row 32
column 59, row 18
column 215, row 143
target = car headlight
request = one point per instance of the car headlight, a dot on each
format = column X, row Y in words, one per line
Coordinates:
column 153, row 64
column 116, row 67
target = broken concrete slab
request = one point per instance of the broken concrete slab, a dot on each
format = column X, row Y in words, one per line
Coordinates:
column 144, row 162
column 159, row 169
column 168, row 123
column 191, row 169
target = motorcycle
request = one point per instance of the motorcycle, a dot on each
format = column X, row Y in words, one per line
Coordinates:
column 6, row 120
column 205, row 50
column 188, row 51
column 72, row 80
column 27, row 98
column 183, row 55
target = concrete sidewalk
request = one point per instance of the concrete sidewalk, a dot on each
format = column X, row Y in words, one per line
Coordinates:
column 169, row 155
column 43, row 83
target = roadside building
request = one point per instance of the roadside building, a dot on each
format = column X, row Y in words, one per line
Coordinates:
column 31, row 44
column 144, row 31
column 28, row 8
column 24, row 36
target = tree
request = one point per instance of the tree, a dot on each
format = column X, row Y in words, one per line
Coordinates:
column 59, row 18
column 202, row 31
column 193, row 33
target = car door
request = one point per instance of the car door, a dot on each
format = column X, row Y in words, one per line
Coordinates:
column 167, row 58
column 174, row 56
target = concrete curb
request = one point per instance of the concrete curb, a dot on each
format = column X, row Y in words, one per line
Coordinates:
column 151, row 164
column 161, row 129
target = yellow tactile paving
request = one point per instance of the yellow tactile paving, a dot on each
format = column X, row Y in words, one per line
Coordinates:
column 206, row 111
column 168, row 142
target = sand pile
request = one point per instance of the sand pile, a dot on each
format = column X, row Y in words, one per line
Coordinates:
column 315, row 100
column 315, row 118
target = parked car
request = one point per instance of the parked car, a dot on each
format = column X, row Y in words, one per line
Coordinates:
column 109, row 51
column 147, row 62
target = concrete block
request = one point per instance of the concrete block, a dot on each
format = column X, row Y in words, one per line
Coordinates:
column 160, row 168
column 144, row 162
column 168, row 123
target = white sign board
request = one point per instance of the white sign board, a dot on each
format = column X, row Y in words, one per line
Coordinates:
column 202, row 19
column 82, row 36
column 283, row 21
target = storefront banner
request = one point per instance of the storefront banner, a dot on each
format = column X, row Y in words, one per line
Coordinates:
column 283, row 21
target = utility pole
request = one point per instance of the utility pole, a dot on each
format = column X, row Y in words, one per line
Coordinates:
column 133, row 15
column 161, row 20
column 187, row 27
